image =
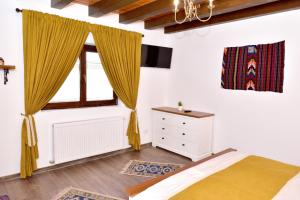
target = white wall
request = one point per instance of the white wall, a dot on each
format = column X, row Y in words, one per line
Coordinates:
column 153, row 84
column 11, row 98
column 254, row 122
column 263, row 123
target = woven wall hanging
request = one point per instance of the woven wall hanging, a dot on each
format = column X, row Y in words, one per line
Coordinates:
column 254, row 67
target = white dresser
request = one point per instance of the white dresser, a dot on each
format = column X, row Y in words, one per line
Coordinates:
column 188, row 134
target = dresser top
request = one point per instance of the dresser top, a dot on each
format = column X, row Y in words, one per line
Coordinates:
column 195, row 114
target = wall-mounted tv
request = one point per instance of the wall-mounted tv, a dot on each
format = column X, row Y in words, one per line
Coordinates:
column 156, row 56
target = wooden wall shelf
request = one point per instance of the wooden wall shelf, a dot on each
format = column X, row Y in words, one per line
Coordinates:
column 9, row 67
column 6, row 69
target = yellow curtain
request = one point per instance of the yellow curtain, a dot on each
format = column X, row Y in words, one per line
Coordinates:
column 120, row 53
column 52, row 45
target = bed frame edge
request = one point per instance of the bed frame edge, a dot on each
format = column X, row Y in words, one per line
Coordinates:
column 131, row 191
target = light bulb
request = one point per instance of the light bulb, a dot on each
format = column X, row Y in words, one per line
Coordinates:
column 176, row 3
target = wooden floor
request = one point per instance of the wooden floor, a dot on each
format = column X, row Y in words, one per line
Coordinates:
column 101, row 176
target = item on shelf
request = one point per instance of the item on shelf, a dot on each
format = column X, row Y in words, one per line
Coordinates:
column 6, row 71
column 1, row 61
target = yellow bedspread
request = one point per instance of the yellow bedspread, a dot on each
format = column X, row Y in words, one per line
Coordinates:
column 253, row 178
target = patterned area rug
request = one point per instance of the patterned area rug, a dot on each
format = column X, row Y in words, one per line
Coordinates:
column 149, row 169
column 5, row 197
column 79, row 194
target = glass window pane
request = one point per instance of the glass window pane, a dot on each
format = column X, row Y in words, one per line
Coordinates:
column 98, row 86
column 70, row 90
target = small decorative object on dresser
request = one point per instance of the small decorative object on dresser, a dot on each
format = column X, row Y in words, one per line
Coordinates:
column 189, row 134
column 180, row 106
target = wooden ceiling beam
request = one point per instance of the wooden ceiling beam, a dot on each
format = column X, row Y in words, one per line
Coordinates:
column 60, row 4
column 103, row 7
column 146, row 11
column 149, row 10
column 266, row 9
column 221, row 7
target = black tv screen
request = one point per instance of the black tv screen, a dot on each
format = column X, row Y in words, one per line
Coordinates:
column 156, row 56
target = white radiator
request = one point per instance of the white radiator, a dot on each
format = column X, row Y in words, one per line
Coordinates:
column 80, row 139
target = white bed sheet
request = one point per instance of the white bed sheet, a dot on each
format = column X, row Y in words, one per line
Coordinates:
column 178, row 182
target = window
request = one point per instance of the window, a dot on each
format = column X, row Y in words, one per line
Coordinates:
column 86, row 86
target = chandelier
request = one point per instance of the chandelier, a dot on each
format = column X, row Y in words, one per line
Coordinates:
column 191, row 11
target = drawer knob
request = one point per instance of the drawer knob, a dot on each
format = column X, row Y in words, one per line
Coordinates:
column 162, row 138
column 183, row 123
column 163, row 118
column 183, row 145
column 183, row 134
column 163, row 128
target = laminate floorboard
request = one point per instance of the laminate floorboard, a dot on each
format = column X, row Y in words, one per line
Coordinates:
column 101, row 176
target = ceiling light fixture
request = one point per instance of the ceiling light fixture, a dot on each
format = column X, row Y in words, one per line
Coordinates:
column 191, row 10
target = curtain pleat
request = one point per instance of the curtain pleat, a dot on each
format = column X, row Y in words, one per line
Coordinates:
column 51, row 45
column 120, row 53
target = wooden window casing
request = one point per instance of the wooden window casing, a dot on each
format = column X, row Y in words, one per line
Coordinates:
column 83, row 101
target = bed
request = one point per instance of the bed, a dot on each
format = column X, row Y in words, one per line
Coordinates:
column 174, row 184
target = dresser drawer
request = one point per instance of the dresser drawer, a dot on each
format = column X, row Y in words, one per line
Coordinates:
column 189, row 147
column 187, row 134
column 178, row 133
column 165, row 140
column 162, row 139
column 192, row 135
column 179, row 121
column 163, row 129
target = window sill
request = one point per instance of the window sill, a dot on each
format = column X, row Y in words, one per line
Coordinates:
column 89, row 104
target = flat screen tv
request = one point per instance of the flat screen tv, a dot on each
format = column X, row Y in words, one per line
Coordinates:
column 156, row 56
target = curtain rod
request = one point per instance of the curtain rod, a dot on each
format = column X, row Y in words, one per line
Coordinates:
column 18, row 10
